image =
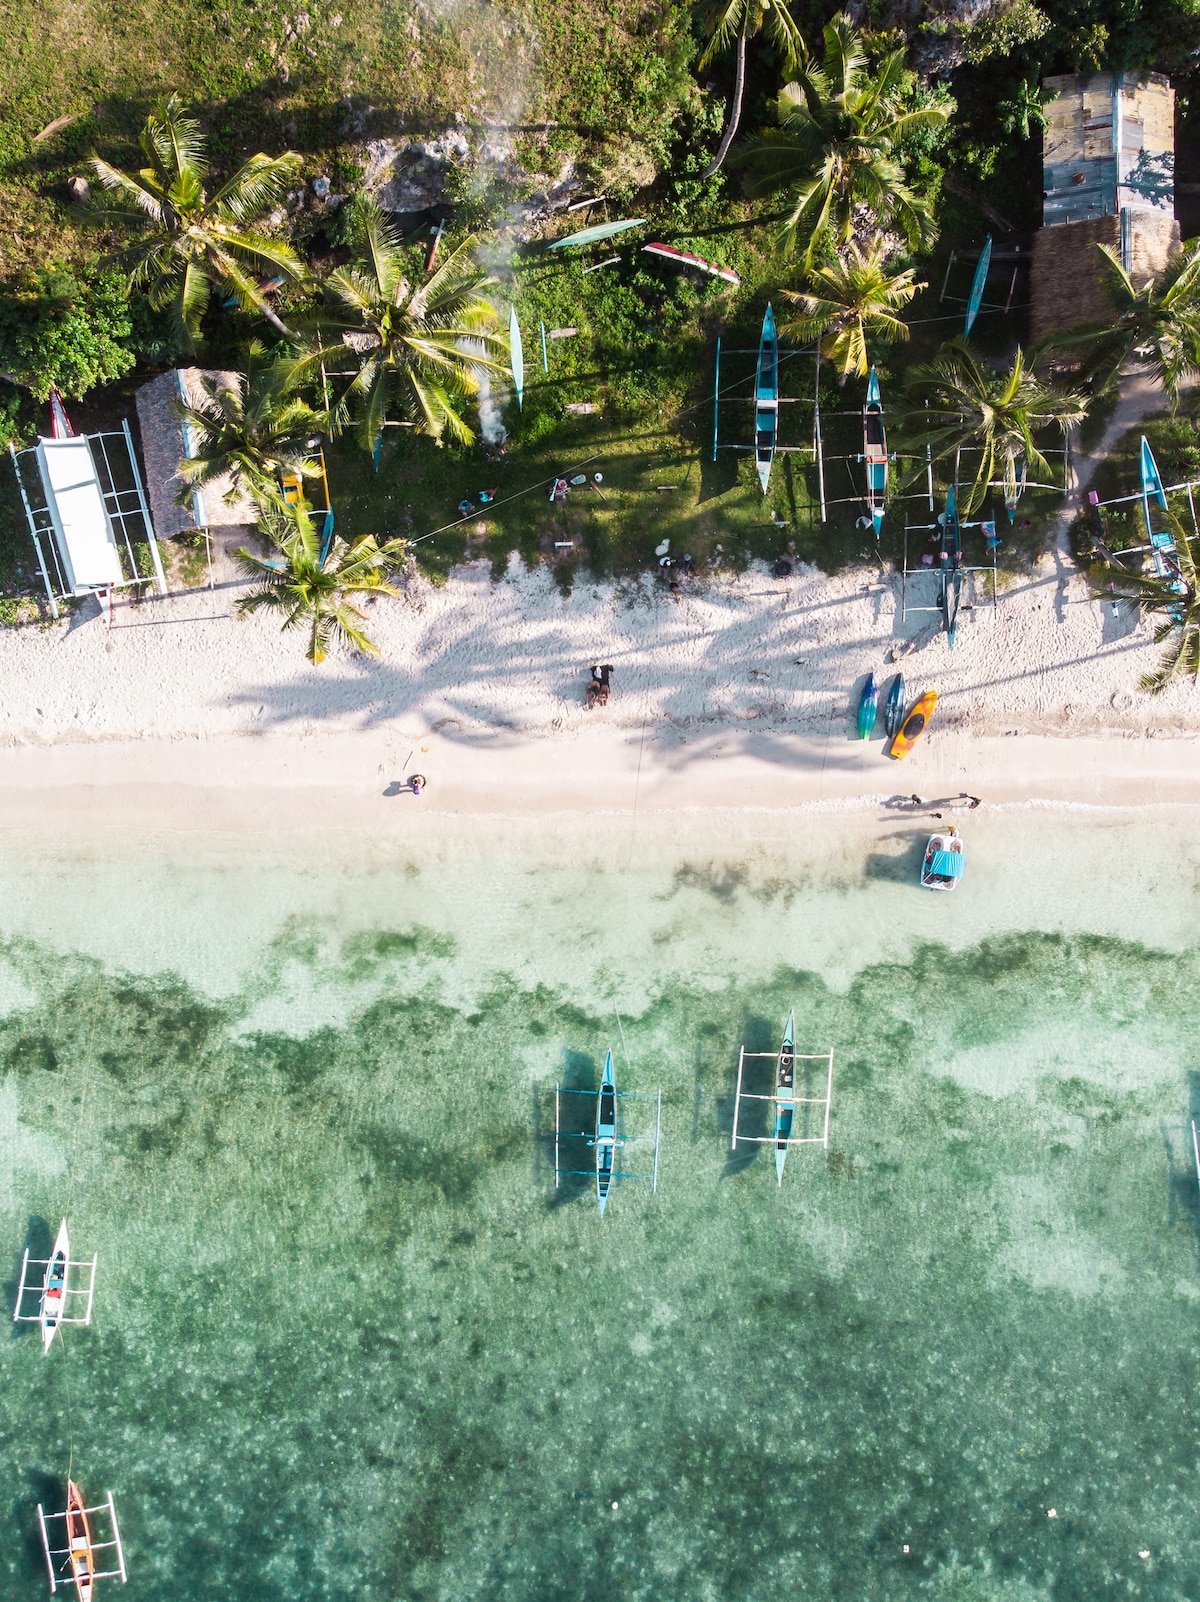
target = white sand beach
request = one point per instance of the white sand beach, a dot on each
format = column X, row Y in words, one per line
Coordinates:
column 740, row 694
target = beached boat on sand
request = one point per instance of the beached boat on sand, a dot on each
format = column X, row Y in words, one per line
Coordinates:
column 766, row 399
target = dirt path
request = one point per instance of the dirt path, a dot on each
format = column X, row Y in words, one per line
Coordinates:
column 1141, row 395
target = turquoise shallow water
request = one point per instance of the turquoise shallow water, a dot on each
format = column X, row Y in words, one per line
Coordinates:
column 348, row 1342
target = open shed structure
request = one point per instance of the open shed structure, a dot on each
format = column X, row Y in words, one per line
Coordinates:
column 87, row 514
column 1108, row 179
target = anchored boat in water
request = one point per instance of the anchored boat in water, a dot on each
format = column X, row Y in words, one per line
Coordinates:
column 785, row 1096
column 603, row 1137
column 943, row 862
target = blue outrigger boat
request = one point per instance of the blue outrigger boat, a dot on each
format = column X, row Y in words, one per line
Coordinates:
column 604, row 1138
column 766, row 399
column 785, row 1096
column 868, row 708
column 875, row 452
column 606, row 1134
column 952, row 572
column 1163, row 551
column 893, row 712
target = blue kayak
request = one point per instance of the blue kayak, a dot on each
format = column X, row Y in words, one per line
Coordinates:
column 893, row 713
column 868, row 708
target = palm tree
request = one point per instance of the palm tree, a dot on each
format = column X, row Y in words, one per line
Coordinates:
column 960, row 403
column 835, row 150
column 310, row 591
column 855, row 292
column 735, row 22
column 251, row 428
column 188, row 239
column 420, row 348
column 1176, row 598
column 1162, row 317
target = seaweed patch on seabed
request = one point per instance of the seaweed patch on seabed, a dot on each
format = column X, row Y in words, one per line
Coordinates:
column 343, row 1345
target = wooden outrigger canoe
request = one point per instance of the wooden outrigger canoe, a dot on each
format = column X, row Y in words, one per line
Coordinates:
column 79, row 1544
column 685, row 259
column 952, row 575
column 589, row 236
column 875, row 452
column 54, row 1294
column 914, row 725
column 785, row 1096
column 606, row 1134
column 766, row 399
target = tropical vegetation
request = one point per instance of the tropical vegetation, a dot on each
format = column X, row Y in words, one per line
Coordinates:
column 857, row 293
column 959, row 403
column 181, row 241
column 314, row 588
column 836, row 154
column 1156, row 322
column 1172, row 601
column 736, row 22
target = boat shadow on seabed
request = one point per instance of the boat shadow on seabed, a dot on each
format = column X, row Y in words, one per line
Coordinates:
column 39, row 1243
column 578, row 1117
column 758, row 1079
column 51, row 1491
column 1183, row 1179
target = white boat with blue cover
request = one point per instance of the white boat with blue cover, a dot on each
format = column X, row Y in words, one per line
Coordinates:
column 943, row 862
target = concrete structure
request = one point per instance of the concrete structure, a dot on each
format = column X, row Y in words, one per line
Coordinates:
column 1109, row 178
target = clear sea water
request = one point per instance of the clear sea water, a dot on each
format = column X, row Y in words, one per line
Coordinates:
column 348, row 1343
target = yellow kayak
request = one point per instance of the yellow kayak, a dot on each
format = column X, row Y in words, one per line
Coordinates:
column 914, row 725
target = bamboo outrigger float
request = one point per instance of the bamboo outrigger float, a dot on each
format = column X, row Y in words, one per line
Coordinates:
column 77, row 1563
column 54, row 1290
column 787, row 1105
column 606, row 1138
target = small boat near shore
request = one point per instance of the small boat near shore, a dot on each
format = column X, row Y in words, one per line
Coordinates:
column 943, row 862
column 77, row 1562
column 54, row 1294
column 606, row 1134
column 685, row 258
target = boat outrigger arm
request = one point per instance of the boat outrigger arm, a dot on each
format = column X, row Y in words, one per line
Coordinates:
column 58, row 1558
column 825, row 1102
column 590, row 1139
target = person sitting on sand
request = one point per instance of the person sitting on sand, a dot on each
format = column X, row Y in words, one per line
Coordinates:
column 598, row 689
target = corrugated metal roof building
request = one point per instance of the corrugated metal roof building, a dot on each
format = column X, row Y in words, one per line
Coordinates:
column 1108, row 176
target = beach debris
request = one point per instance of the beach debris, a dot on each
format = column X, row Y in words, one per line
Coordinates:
column 662, row 547
column 609, row 261
column 581, row 408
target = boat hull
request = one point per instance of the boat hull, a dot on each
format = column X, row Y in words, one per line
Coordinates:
column 868, row 708
column 933, row 864
column 875, row 453
column 785, row 1093
column 914, row 725
column 893, row 712
column 766, row 400
column 54, row 1291
column 606, row 1134
column 79, row 1544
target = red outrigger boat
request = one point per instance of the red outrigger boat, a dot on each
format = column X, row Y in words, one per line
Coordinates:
column 76, row 1563
column 79, row 1544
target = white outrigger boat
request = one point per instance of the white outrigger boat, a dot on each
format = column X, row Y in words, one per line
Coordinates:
column 784, row 1100
column 54, row 1290
column 943, row 862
